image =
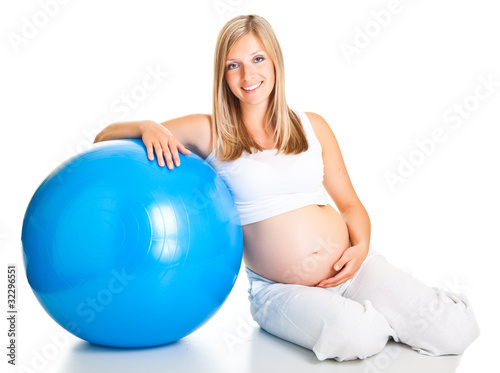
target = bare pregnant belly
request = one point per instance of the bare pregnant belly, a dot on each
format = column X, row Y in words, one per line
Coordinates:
column 297, row 247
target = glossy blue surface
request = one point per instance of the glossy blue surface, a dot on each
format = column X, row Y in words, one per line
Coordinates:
column 122, row 252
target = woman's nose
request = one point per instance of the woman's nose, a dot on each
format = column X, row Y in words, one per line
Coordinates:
column 248, row 72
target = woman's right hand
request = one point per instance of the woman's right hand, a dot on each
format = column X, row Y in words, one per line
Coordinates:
column 162, row 142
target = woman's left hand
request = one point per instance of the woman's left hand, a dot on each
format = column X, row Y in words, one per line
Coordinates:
column 348, row 264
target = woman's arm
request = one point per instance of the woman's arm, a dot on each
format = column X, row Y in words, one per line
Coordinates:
column 358, row 224
column 338, row 185
column 122, row 130
column 166, row 140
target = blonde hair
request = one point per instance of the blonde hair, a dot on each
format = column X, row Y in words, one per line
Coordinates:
column 227, row 125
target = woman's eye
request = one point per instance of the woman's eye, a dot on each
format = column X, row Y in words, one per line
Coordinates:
column 259, row 59
column 231, row 66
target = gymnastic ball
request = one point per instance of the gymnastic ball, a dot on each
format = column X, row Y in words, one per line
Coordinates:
column 122, row 252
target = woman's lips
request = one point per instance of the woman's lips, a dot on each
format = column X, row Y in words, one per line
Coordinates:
column 252, row 88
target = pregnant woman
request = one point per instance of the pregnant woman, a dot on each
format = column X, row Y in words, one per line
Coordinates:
column 313, row 280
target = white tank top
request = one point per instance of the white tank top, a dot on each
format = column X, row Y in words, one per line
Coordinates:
column 266, row 184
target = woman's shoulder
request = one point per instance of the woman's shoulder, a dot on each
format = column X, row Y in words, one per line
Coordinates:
column 321, row 128
column 194, row 131
column 314, row 119
column 318, row 123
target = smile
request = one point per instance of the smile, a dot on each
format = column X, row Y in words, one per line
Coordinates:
column 253, row 87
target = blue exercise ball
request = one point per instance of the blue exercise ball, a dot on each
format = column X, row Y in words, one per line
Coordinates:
column 124, row 253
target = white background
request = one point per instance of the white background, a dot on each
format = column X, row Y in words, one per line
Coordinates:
column 64, row 78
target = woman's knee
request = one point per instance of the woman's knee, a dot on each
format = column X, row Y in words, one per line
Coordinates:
column 357, row 336
column 431, row 320
column 448, row 327
column 333, row 327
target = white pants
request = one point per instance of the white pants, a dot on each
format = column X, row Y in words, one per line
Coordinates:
column 357, row 318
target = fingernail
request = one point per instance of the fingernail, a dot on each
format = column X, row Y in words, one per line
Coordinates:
column 336, row 268
column 177, row 163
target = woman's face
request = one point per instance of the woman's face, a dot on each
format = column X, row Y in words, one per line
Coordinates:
column 249, row 71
